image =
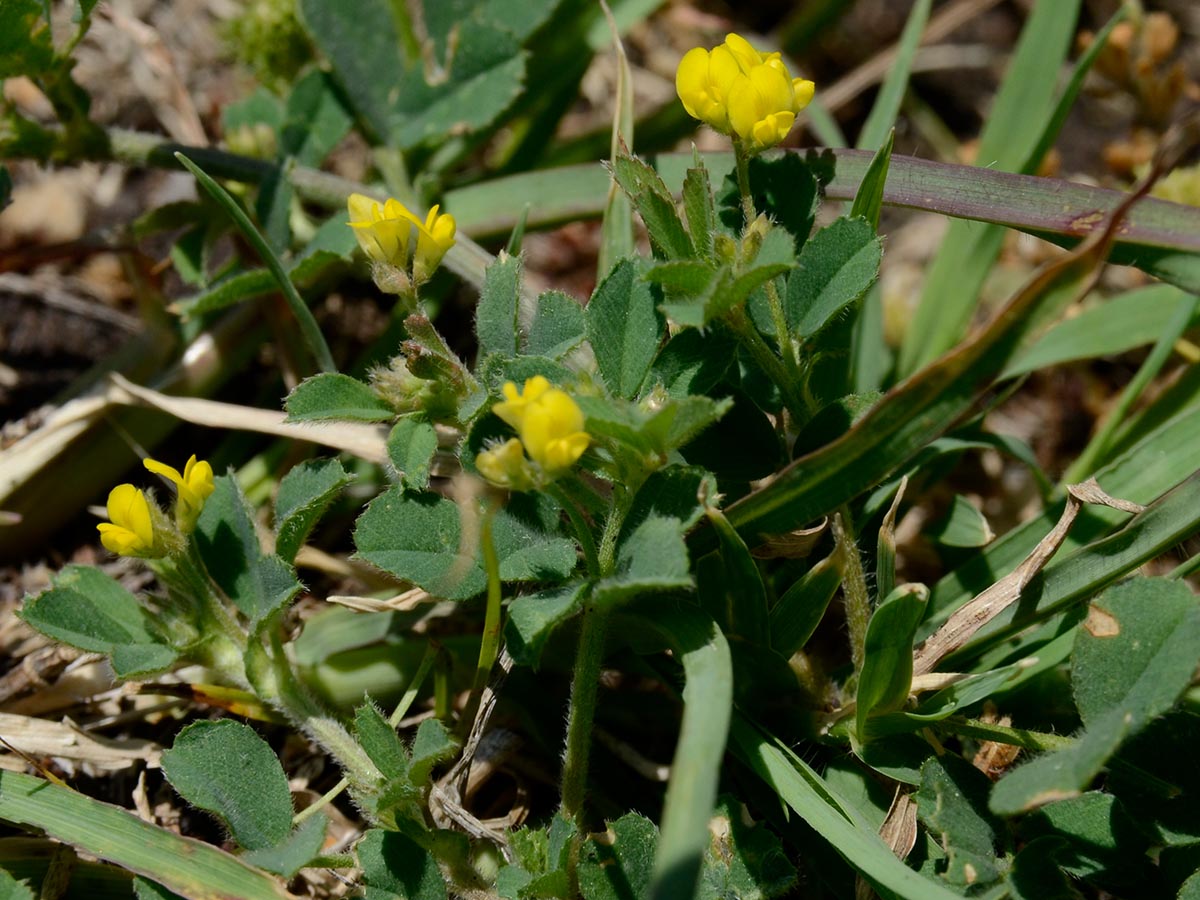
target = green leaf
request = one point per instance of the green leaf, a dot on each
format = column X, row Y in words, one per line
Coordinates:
column 963, row 526
column 431, row 745
column 830, row 815
column 295, row 853
column 332, row 395
column 699, row 209
column 87, row 609
column 380, row 742
column 1190, row 889
column 671, row 492
column 558, row 326
column 1128, row 630
column 745, row 602
column 653, row 558
column 744, row 861
column 786, row 188
column 532, row 618
column 680, row 421
column 309, row 330
column 1035, row 874
column 305, row 493
column 314, row 120
column 257, row 583
column 185, row 866
column 483, row 78
column 952, row 803
column 694, row 361
column 260, row 107
column 796, row 615
column 621, row 868
column 886, row 677
column 1133, row 319
column 418, row 537
column 11, row 889
column 411, row 447
column 1012, row 132
column 1100, row 841
column 624, row 328
column 396, row 868
column 1136, row 654
column 225, row 768
column 654, row 203
column 882, row 118
column 698, row 645
column 26, row 45
column 273, row 208
column 496, row 322
column 836, row 267
column 868, row 202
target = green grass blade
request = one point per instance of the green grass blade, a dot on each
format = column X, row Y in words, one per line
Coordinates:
column 829, row 815
column 184, row 865
column 701, row 649
column 1172, row 518
column 1012, row 132
column 882, row 117
column 1162, row 459
column 304, row 317
column 914, row 413
column 616, row 228
column 1098, row 447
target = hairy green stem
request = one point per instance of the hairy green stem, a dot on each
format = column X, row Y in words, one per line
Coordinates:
column 1004, row 734
column 772, row 364
column 406, row 702
column 585, row 682
column 583, row 531
column 854, row 588
column 774, row 301
column 584, row 688
column 489, row 647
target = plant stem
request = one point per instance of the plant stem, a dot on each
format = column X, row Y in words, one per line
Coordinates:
column 489, row 647
column 309, row 328
column 1005, row 734
column 406, row 702
column 772, row 364
column 774, row 301
column 583, row 531
column 586, row 679
column 854, row 588
column 584, row 688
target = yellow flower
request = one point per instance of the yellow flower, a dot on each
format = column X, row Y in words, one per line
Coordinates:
column 385, row 233
column 513, row 407
column 505, row 465
column 548, row 421
column 193, row 487
column 741, row 91
column 130, row 529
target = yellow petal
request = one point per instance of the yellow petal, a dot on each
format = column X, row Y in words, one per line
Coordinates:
column 363, row 209
column 803, row 89
column 129, row 509
column 168, row 472
column 745, row 54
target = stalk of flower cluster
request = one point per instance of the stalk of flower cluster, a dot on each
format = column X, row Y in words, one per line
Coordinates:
column 274, row 681
column 789, row 378
column 585, row 681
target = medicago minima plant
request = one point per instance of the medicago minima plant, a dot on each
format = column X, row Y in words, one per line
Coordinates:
column 669, row 512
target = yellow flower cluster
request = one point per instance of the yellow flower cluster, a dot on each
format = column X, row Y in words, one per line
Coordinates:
column 135, row 528
column 549, row 425
column 386, row 232
column 739, row 91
